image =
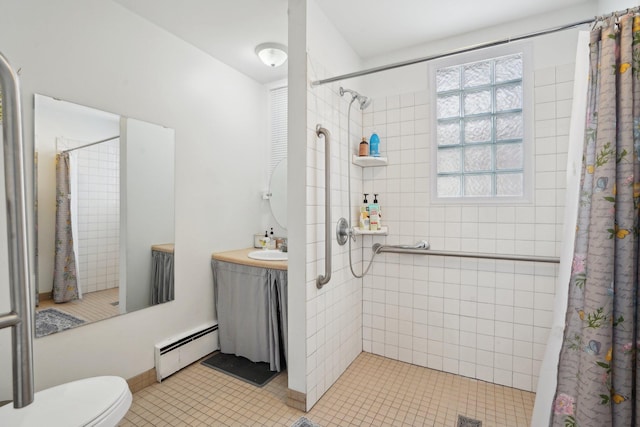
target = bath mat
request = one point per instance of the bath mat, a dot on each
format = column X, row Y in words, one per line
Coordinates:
column 50, row 320
column 468, row 422
column 304, row 422
column 256, row 373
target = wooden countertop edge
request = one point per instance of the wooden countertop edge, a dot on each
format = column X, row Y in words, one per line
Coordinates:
column 164, row 247
column 240, row 256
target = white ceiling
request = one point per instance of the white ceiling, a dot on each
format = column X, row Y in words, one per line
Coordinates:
column 229, row 30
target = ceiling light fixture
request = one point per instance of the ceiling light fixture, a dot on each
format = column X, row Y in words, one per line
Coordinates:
column 272, row 54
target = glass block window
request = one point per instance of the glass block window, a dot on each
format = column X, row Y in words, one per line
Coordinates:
column 479, row 128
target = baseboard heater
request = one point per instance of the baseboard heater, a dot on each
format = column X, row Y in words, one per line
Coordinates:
column 177, row 352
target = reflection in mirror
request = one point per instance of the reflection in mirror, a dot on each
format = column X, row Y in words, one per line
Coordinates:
column 104, row 213
column 278, row 190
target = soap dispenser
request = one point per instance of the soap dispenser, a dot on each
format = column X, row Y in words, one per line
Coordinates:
column 374, row 215
column 363, row 222
column 272, row 241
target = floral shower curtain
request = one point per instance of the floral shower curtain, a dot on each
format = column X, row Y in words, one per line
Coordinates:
column 597, row 375
column 65, row 282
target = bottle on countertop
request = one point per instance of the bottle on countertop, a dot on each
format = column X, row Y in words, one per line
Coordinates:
column 265, row 240
column 374, row 145
column 363, row 149
column 272, row 240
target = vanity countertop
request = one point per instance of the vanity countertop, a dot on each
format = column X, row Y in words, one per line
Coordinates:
column 240, row 256
column 166, row 247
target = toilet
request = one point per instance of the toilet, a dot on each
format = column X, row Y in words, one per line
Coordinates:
column 97, row 401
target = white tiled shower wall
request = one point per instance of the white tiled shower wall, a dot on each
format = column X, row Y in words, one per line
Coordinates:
column 478, row 318
column 334, row 313
column 99, row 216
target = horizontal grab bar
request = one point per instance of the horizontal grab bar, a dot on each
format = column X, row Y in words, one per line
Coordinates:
column 378, row 248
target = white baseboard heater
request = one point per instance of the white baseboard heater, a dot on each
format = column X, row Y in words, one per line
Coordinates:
column 177, row 352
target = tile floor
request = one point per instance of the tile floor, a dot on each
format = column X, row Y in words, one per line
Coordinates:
column 374, row 391
column 93, row 306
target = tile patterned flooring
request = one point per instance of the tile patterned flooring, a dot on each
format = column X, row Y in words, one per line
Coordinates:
column 93, row 306
column 374, row 391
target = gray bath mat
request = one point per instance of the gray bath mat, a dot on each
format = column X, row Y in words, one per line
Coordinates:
column 304, row 422
column 468, row 422
column 256, row 373
column 50, row 320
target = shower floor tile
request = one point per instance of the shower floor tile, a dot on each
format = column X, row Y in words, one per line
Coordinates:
column 374, row 391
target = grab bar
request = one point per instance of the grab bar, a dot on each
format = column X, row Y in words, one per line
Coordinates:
column 21, row 316
column 324, row 279
column 379, row 248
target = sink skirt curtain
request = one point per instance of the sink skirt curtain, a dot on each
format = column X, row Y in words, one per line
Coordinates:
column 251, row 305
column 162, row 284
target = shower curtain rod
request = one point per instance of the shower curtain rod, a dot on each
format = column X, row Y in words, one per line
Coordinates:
column 92, row 143
column 456, row 52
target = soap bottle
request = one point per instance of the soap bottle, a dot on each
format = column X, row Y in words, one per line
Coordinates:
column 374, row 145
column 265, row 240
column 364, row 214
column 375, row 202
column 363, row 149
column 272, row 240
column 374, row 217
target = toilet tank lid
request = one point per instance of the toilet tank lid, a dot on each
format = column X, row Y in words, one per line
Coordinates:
column 76, row 403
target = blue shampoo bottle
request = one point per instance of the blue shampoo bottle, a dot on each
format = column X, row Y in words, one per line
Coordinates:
column 374, row 145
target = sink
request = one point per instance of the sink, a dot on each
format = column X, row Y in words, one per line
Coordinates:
column 269, row 255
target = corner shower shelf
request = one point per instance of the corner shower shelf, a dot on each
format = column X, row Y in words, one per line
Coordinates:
column 384, row 231
column 368, row 161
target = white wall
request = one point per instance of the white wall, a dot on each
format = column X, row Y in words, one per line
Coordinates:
column 96, row 53
column 609, row 6
column 148, row 202
column 334, row 313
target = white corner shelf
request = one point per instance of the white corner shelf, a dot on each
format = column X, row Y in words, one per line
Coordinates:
column 369, row 161
column 384, row 231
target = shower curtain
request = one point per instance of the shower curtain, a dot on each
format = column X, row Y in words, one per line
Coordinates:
column 597, row 376
column 65, row 283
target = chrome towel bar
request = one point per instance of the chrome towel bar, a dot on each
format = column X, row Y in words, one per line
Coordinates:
column 379, row 248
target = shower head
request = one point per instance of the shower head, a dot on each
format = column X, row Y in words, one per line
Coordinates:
column 364, row 101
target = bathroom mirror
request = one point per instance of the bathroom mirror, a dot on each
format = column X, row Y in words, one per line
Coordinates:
column 278, row 190
column 97, row 244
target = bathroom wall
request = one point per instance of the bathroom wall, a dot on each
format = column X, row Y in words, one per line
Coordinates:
column 98, row 54
column 482, row 319
column 99, row 216
column 478, row 318
column 332, row 337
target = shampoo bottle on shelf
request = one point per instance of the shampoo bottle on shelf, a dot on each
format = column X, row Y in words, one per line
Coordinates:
column 375, row 202
column 374, row 215
column 374, row 145
column 363, row 149
column 363, row 221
